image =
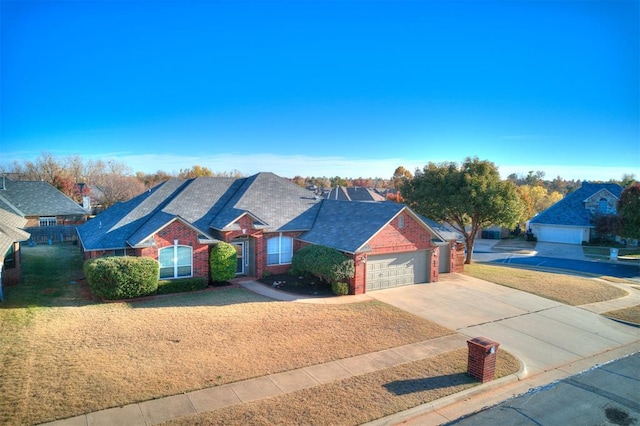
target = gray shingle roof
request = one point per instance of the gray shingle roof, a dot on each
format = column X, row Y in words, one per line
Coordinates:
column 444, row 233
column 348, row 226
column 10, row 230
column 354, row 194
column 570, row 210
column 34, row 198
column 206, row 204
column 276, row 203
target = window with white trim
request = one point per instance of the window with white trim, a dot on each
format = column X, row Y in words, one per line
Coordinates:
column 175, row 261
column 279, row 250
column 48, row 221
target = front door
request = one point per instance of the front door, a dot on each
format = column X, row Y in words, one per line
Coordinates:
column 240, row 250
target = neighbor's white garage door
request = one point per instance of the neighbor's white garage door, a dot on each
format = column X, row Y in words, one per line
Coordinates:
column 398, row 269
column 559, row 234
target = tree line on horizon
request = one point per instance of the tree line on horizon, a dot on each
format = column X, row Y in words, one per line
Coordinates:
column 75, row 176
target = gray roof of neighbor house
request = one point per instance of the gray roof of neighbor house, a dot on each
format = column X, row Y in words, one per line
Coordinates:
column 206, row 204
column 10, row 230
column 348, row 226
column 444, row 232
column 353, row 194
column 36, row 198
column 571, row 210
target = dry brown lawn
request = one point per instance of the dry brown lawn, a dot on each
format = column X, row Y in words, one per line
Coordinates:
column 359, row 399
column 64, row 361
column 570, row 289
column 631, row 314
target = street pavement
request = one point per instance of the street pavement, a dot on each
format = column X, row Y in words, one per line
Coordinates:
column 606, row 394
column 555, row 256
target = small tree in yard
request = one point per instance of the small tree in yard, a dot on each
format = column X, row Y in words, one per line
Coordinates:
column 223, row 262
column 471, row 194
column 629, row 211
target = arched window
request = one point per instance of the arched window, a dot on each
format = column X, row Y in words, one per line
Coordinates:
column 175, row 261
column 279, row 250
column 401, row 221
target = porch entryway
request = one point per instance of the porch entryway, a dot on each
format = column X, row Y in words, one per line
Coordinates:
column 244, row 248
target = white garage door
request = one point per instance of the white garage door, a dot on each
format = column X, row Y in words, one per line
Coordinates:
column 398, row 269
column 559, row 234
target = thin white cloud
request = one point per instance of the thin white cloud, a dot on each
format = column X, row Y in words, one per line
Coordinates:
column 283, row 165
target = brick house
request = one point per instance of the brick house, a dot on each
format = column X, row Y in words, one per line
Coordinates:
column 11, row 234
column 267, row 219
column 40, row 203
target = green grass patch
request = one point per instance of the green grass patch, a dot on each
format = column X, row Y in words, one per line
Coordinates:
column 605, row 252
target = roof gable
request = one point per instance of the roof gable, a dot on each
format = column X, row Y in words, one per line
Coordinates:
column 10, row 230
column 273, row 201
column 37, row 198
column 204, row 203
column 571, row 210
column 348, row 226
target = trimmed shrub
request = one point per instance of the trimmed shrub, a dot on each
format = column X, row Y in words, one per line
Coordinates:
column 223, row 262
column 340, row 289
column 181, row 285
column 122, row 277
column 328, row 264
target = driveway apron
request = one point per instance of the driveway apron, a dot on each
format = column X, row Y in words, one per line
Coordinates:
column 544, row 334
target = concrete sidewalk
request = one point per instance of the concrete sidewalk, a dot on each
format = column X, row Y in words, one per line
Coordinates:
column 200, row 401
column 542, row 333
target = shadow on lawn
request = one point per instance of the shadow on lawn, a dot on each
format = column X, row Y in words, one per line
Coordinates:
column 405, row 387
column 212, row 296
column 52, row 276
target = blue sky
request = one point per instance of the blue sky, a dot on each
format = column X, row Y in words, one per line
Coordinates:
column 328, row 88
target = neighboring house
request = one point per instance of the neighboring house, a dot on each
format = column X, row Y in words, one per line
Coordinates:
column 267, row 218
column 11, row 234
column 92, row 196
column 40, row 203
column 353, row 194
column 570, row 219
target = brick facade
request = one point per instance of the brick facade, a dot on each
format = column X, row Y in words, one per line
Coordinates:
column 11, row 276
column 456, row 261
column 402, row 234
column 393, row 238
column 185, row 236
column 34, row 221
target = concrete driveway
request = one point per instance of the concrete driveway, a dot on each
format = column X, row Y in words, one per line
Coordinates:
column 544, row 334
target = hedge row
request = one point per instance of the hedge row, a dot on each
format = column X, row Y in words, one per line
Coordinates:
column 328, row 264
column 126, row 277
column 181, row 285
column 122, row 277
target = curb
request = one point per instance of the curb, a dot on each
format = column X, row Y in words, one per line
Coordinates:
column 629, row 323
column 427, row 407
column 434, row 405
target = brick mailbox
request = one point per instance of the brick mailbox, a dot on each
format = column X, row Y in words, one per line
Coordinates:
column 481, row 363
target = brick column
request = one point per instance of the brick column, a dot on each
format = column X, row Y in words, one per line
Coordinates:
column 481, row 363
column 434, row 264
